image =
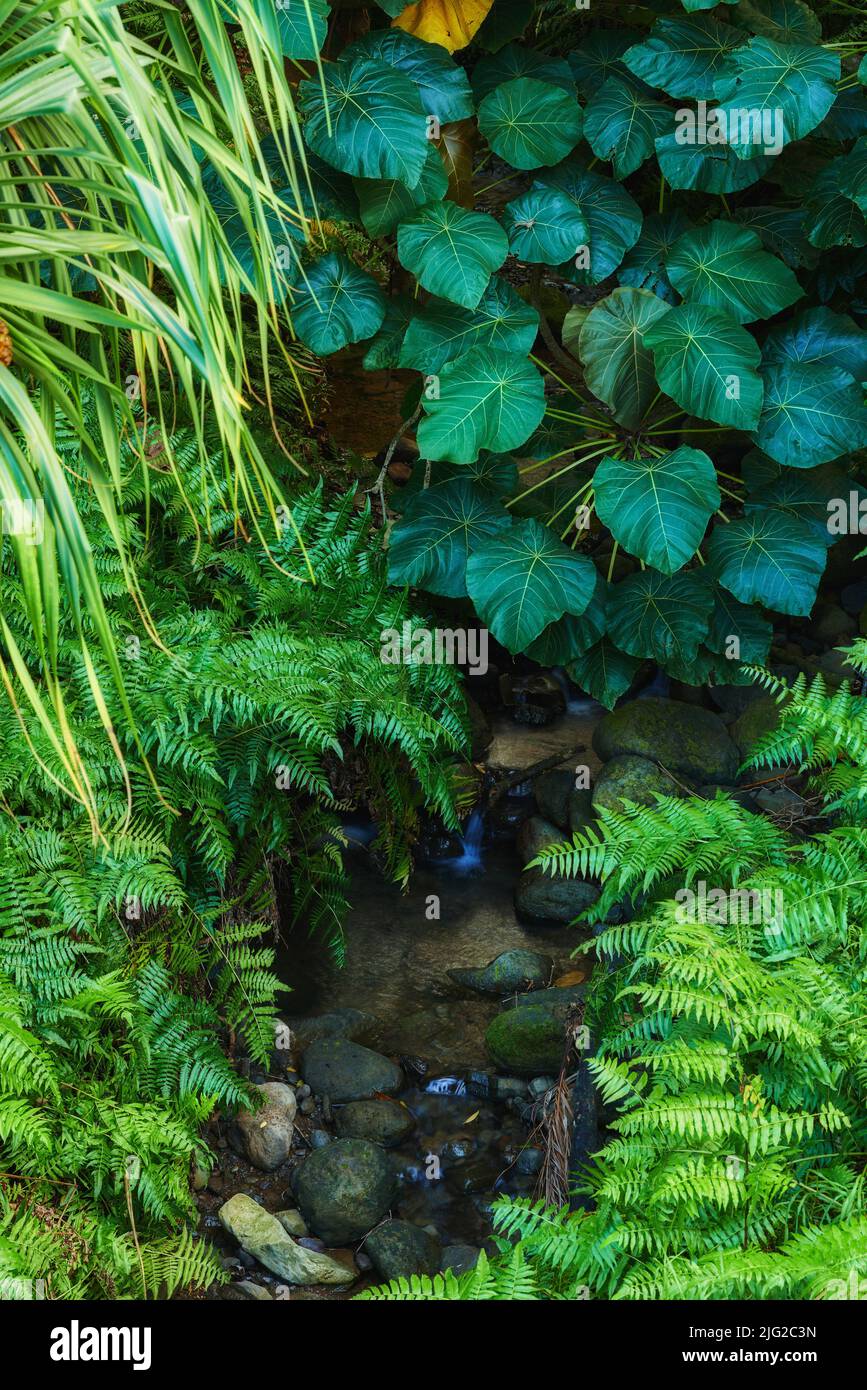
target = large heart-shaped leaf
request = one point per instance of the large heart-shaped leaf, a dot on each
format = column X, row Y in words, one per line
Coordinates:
column 769, row 558
column 682, row 54
column 707, row 363
column 515, row 61
column 804, row 493
column 604, row 672
column 378, row 125
column 451, row 23
column 659, row 616
column 440, row 331
column 569, row 637
column 303, row 25
column 724, row 265
column 658, row 508
column 819, row 335
column 452, row 252
column 782, row 230
column 528, row 122
column 485, row 400
column 707, row 168
column 833, row 219
column 813, row 413
column 622, row 122
column 737, row 631
column 386, row 202
column 444, row 87
column 613, row 217
column 336, row 304
column 783, row 88
column 598, row 58
column 853, row 174
column 618, row 367
column 522, row 579
column 429, row 545
column 644, row 266
column 787, row 21
column 544, row 227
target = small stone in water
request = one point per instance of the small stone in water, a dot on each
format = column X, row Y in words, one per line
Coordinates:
column 540, row 1084
column 307, row 1106
column 446, row 1086
column 319, row 1138
column 458, row 1148
column 303, row 1091
column 530, row 1161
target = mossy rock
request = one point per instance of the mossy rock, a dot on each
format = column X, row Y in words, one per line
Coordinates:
column 382, row 1121
column 344, row 1189
column 688, row 740
column 510, row 972
column 758, row 719
column 552, row 791
column 630, row 778
column 528, row 1037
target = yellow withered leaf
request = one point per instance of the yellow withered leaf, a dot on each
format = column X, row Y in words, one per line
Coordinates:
column 474, row 1116
column 452, row 23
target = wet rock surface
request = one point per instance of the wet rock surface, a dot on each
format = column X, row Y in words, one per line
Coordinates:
column 344, row 1189
column 344, row 1070
column 686, row 739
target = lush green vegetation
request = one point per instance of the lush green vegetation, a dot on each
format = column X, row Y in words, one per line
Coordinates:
column 733, row 1051
column 638, row 385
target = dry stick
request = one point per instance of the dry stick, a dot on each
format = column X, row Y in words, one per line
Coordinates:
column 379, row 486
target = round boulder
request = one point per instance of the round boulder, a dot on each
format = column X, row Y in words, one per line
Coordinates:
column 508, row 973
column 267, row 1132
column 344, row 1189
column 344, row 1070
column 630, row 778
column 688, row 740
column 382, row 1121
column 398, row 1250
column 528, row 1037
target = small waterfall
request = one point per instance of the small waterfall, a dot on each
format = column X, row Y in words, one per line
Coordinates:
column 470, row 857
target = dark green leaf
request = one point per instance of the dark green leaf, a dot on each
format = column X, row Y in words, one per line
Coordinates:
column 618, row 367
column 622, row 122
column 440, row 331
column 528, row 122
column 486, row 400
column 443, row 87
column 659, row 616
column 769, row 558
column 451, row 251
column 523, row 579
column 514, row 61
column 793, row 84
column 613, row 217
column 724, row 266
column 813, row 413
column 658, row 508
column 544, row 227
column 429, row 545
column 682, row 54
column 386, row 202
column 604, row 672
column 336, row 304
column 707, row 363
column 378, row 124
